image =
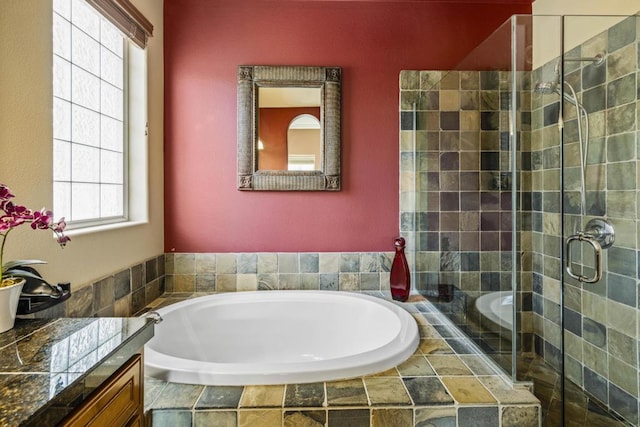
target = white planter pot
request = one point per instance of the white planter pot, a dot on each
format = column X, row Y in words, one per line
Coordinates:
column 9, row 296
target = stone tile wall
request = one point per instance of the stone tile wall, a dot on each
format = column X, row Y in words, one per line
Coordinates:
column 601, row 320
column 229, row 272
column 120, row 294
column 455, row 195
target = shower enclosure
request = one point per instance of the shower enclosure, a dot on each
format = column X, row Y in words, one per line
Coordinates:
column 519, row 193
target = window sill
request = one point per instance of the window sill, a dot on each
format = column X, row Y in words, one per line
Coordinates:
column 103, row 228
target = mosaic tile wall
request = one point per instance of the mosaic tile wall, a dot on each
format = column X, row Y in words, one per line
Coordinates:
column 121, row 294
column 601, row 320
column 455, row 194
column 229, row 272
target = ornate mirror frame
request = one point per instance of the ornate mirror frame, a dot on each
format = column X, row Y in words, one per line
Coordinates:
column 250, row 79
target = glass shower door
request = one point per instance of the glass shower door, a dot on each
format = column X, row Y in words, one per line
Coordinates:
column 597, row 83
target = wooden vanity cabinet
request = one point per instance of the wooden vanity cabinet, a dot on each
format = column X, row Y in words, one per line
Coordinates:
column 116, row 402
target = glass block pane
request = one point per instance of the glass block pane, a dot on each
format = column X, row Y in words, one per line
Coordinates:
column 85, row 126
column 86, row 163
column 62, row 200
column 85, row 18
column 63, row 8
column 85, row 51
column 61, row 37
column 112, row 134
column 61, row 119
column 112, row 202
column 111, row 101
column 85, row 89
column 112, row 38
column 112, row 68
column 61, row 160
column 61, row 78
column 111, row 167
column 85, row 201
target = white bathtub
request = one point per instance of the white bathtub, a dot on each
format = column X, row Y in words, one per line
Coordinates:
column 278, row 337
column 497, row 307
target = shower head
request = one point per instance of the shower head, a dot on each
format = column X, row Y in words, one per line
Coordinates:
column 546, row 88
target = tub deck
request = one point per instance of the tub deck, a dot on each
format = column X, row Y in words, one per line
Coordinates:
column 447, row 381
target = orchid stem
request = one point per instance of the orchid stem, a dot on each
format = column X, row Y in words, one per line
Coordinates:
column 4, row 240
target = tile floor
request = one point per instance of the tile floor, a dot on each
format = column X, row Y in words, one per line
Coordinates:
column 581, row 411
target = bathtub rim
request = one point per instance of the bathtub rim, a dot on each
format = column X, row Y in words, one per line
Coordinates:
column 371, row 362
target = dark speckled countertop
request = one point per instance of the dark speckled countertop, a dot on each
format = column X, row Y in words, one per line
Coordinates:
column 48, row 367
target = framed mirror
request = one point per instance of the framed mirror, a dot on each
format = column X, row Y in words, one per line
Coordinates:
column 289, row 128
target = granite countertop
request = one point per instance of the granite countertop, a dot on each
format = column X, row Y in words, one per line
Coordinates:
column 49, row 366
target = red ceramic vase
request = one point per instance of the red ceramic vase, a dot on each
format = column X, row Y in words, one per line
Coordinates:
column 400, row 279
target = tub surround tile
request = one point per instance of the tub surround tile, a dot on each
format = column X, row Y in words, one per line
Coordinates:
column 448, row 365
column 391, row 418
column 427, row 391
column 262, row 396
column 152, row 389
column 178, row 396
column 329, row 262
column 514, row 416
column 183, row 264
column 304, row 418
column 217, row 397
column 288, row 263
column 226, row 264
column 468, row 390
column 505, row 392
column 393, row 372
column 309, row 263
column 170, row 418
column 349, row 418
column 267, row 263
column 247, row 263
column 262, row 418
column 304, row 395
column 411, row 394
column 386, row 391
column 428, row 417
column 213, row 419
column 434, row 346
column 416, row 366
column 346, row 393
column 205, row 264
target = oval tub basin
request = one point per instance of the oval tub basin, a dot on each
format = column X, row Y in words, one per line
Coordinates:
column 497, row 307
column 279, row 337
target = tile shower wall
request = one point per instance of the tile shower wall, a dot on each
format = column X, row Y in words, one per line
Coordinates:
column 229, row 272
column 455, row 193
column 123, row 293
column 601, row 320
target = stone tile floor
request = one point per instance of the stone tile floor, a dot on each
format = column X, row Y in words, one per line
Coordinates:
column 447, row 381
column 580, row 410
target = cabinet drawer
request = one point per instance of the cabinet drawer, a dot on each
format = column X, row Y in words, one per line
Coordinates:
column 116, row 402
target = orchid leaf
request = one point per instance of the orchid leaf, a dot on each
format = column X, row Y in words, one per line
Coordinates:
column 22, row 273
column 20, row 263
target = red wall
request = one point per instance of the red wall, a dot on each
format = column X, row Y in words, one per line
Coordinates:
column 206, row 40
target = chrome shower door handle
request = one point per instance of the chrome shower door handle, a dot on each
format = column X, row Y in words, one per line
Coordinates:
column 584, row 237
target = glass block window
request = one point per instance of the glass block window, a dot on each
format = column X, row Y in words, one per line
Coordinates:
column 89, row 115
